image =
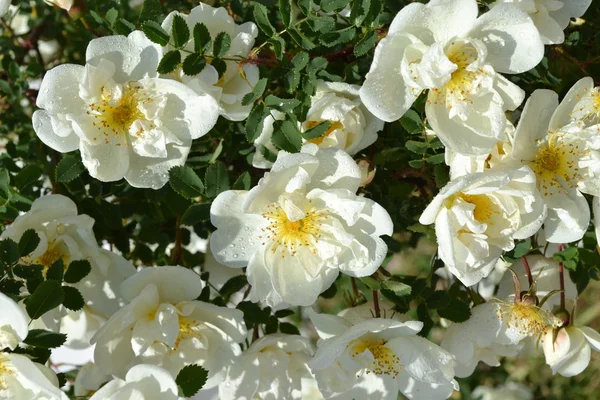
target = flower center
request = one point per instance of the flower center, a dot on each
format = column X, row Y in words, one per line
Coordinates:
column 484, row 209
column 385, row 361
column 52, row 254
column 116, row 112
column 333, row 126
column 5, row 369
column 527, row 319
column 290, row 235
column 187, row 327
column 556, row 165
column 590, row 110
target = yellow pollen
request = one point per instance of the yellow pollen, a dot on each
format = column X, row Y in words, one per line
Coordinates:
column 591, row 110
column 485, row 208
column 290, row 235
column 50, row 256
column 333, row 126
column 5, row 369
column 187, row 327
column 528, row 320
column 118, row 117
column 385, row 361
column 556, row 165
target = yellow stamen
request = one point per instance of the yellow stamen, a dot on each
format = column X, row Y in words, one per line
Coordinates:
column 485, row 208
column 527, row 319
column 333, row 126
column 385, row 361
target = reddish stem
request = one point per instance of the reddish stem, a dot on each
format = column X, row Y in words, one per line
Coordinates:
column 376, row 304
column 561, row 277
column 527, row 270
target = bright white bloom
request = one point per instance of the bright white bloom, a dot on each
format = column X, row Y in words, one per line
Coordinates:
column 508, row 391
column 581, row 105
column 13, row 323
column 125, row 121
column 352, row 127
column 142, row 382
column 550, row 17
column 444, row 48
column 495, row 328
column 300, row 226
column 230, row 89
column 89, row 379
column 568, row 350
column 68, row 236
column 64, row 4
column 478, row 216
column 163, row 325
column 271, row 368
column 379, row 357
column 22, row 379
column 562, row 154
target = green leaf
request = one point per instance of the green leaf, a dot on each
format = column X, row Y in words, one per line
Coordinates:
column 73, row 300
column 48, row 295
column 220, row 65
column 191, row 379
column 300, row 60
column 45, row 339
column 253, row 314
column 284, row 313
column 233, row 285
column 399, row 288
column 359, row 11
column 155, row 32
column 372, row 18
column 292, row 80
column 416, row 147
column 169, row 63
column 317, row 64
column 255, row 122
column 9, row 253
column 412, row 122
column 56, row 270
column 202, row 38
column 436, row 159
column 111, row 16
column 222, row 45
column 301, row 39
column 195, row 214
column 256, row 93
column 290, row 329
column 217, row 179
column 371, row 283
column 184, row 181
column 242, row 182
column 305, row 6
column 316, row 131
column 334, row 38
column 285, row 9
column 69, row 168
column 4, row 187
column 280, row 104
column 333, row 5
column 29, row 271
column 194, row 64
column 77, row 270
column 28, row 243
column 569, row 257
column 181, row 32
column 365, row 44
column 456, row 311
column 286, row 136
column 28, row 176
column 278, row 47
column 261, row 17
column 151, row 10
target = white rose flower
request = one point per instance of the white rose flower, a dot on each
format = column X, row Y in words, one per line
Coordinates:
column 13, row 323
column 508, row 391
column 68, row 236
column 564, row 157
column 550, row 17
column 444, row 48
column 271, row 368
column 568, row 350
column 300, row 226
column 142, row 382
column 352, row 127
column 230, row 89
column 478, row 216
column 163, row 325
column 378, row 357
column 22, row 379
column 496, row 328
column 125, row 121
column 581, row 105
column 64, row 4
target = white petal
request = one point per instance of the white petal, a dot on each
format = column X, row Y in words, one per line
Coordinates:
column 534, row 122
column 149, row 172
column 570, row 222
column 174, row 284
column 135, row 56
column 513, row 42
column 237, row 236
column 13, row 316
column 337, row 170
column 417, row 390
column 562, row 115
column 512, row 95
column 445, row 19
column 592, row 336
column 327, row 325
column 141, row 372
column 59, row 90
column 423, row 360
column 105, row 162
column 384, row 92
column 54, row 132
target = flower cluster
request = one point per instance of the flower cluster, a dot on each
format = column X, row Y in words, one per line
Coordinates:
column 85, row 259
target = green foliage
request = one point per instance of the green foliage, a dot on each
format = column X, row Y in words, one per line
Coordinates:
column 191, row 379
